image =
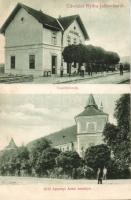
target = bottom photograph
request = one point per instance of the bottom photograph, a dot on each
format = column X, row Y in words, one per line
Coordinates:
column 57, row 138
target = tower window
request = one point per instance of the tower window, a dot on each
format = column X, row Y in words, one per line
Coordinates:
column 91, row 127
column 12, row 62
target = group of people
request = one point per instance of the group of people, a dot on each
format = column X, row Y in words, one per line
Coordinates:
column 82, row 69
column 101, row 174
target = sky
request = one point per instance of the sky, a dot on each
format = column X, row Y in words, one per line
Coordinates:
column 107, row 26
column 26, row 117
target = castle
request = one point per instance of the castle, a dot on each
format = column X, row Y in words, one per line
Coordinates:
column 87, row 131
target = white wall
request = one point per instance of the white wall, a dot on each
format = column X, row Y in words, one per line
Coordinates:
column 98, row 120
column 71, row 28
column 29, row 37
column 19, row 33
column 47, row 37
column 21, row 40
column 72, row 36
column 22, row 60
column 86, row 137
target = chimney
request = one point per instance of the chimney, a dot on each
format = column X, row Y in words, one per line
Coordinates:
column 101, row 106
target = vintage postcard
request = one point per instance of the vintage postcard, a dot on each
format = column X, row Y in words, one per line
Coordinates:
column 65, row 100
column 85, row 41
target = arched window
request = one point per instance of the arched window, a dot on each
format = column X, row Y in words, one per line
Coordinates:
column 91, row 127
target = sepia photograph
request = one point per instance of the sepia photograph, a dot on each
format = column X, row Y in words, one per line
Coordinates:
column 65, row 102
column 81, row 138
column 55, row 42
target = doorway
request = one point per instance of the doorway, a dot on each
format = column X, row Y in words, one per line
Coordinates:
column 54, row 64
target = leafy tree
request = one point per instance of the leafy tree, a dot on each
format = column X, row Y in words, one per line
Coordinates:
column 68, row 160
column 127, row 66
column 23, row 159
column 9, row 162
column 46, row 161
column 97, row 156
column 122, row 112
column 90, row 54
column 118, row 137
column 111, row 58
column 36, row 148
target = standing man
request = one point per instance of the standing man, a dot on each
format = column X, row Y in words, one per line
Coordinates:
column 92, row 65
column 121, row 69
column 104, row 173
column 82, row 70
column 100, row 176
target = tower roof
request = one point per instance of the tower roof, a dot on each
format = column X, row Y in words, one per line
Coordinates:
column 91, row 102
column 91, row 109
column 11, row 145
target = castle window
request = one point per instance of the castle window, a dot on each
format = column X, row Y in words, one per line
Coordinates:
column 54, row 38
column 32, row 61
column 91, row 127
column 12, row 62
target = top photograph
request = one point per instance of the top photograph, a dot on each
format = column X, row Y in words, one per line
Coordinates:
column 65, row 42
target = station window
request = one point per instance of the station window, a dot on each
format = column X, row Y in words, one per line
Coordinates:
column 54, row 38
column 68, row 40
column 12, row 62
column 32, row 61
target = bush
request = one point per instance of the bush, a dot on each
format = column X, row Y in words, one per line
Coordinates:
column 114, row 172
column 85, row 172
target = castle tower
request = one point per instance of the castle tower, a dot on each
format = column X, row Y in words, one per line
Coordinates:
column 90, row 124
column 11, row 145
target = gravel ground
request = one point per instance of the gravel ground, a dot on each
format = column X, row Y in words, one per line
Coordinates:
column 34, row 180
column 108, row 78
column 27, row 188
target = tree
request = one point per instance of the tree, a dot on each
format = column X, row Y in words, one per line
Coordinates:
column 9, row 162
column 97, row 156
column 90, row 54
column 68, row 160
column 36, row 148
column 118, row 137
column 111, row 58
column 46, row 161
column 122, row 112
column 23, row 155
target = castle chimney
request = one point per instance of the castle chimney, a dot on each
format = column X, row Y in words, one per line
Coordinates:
column 101, row 106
